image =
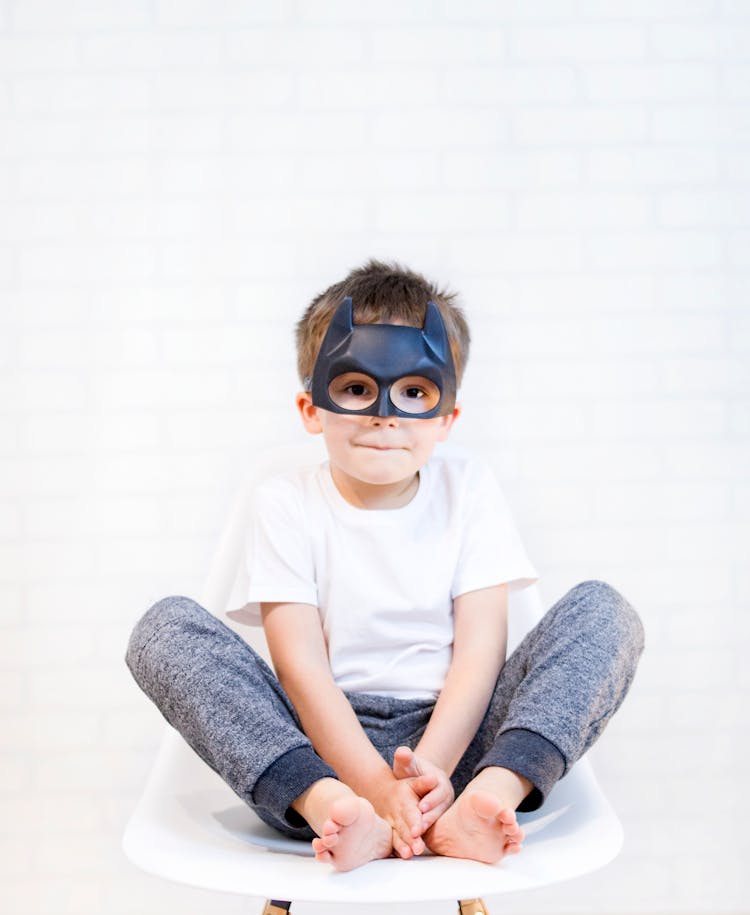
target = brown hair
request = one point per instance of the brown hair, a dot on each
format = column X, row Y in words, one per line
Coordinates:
column 381, row 293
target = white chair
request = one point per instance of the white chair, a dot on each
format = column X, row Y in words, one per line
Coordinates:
column 190, row 827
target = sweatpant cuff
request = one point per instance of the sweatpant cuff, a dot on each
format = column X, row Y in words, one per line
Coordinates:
column 530, row 755
column 288, row 777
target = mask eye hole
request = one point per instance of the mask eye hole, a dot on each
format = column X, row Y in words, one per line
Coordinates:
column 353, row 391
column 415, row 394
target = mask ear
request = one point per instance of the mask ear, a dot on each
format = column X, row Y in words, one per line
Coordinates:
column 341, row 326
column 435, row 334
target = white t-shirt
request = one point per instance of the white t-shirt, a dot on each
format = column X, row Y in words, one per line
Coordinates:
column 384, row 580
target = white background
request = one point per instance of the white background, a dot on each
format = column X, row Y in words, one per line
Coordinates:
column 178, row 178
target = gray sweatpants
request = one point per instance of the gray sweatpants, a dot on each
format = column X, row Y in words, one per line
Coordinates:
column 553, row 698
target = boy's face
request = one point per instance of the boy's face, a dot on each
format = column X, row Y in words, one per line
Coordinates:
column 378, row 450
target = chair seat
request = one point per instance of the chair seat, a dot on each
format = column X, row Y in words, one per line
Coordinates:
column 190, row 827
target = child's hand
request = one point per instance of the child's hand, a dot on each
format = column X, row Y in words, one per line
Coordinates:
column 397, row 803
column 428, row 781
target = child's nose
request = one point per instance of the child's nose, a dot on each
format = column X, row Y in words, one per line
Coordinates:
column 384, row 420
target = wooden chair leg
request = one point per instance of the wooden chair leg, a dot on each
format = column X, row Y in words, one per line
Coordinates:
column 465, row 907
column 276, row 907
column 472, row 907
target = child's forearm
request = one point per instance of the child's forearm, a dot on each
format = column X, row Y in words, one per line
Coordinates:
column 332, row 727
column 458, row 713
column 300, row 659
column 479, row 646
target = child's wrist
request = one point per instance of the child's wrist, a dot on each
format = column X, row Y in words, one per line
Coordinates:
column 432, row 757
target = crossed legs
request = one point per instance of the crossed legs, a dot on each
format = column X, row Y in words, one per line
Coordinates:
column 553, row 698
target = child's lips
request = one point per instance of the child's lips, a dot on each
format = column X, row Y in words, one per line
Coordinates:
column 379, row 447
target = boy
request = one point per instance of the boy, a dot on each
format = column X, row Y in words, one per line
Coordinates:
column 394, row 722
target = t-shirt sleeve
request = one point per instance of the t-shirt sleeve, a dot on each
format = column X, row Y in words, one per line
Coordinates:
column 492, row 552
column 279, row 555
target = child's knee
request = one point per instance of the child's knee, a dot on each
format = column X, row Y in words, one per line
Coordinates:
column 611, row 612
column 175, row 612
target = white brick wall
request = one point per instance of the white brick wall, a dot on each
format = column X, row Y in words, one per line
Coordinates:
column 179, row 177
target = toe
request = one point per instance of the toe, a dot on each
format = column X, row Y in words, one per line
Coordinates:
column 330, row 827
column 512, row 831
column 485, row 805
column 344, row 811
column 507, row 817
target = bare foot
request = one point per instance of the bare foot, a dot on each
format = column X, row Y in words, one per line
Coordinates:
column 352, row 834
column 478, row 826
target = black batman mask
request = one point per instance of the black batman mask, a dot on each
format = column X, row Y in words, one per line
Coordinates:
column 385, row 369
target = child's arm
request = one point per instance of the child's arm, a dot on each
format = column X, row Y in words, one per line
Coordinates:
column 297, row 645
column 479, row 644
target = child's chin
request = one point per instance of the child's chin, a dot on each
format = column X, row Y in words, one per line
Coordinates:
column 386, row 464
